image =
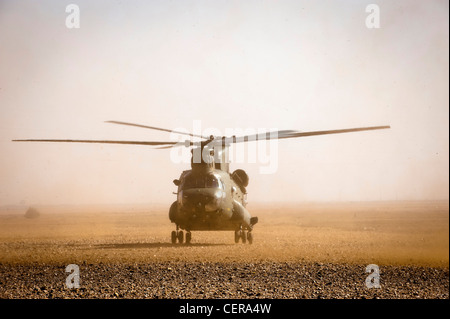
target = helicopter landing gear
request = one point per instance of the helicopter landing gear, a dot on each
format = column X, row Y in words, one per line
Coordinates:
column 178, row 236
column 174, row 237
column 188, row 237
column 250, row 237
column 243, row 236
column 237, row 236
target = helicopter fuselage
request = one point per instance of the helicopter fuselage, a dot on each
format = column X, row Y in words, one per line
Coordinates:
column 210, row 199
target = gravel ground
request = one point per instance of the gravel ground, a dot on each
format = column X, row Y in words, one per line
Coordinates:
column 272, row 280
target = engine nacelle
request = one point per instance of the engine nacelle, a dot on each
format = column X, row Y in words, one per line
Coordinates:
column 240, row 177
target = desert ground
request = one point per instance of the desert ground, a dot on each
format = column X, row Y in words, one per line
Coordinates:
column 306, row 250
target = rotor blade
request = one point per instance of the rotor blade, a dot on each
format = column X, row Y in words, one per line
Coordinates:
column 259, row 136
column 348, row 130
column 254, row 137
column 99, row 141
column 291, row 134
column 156, row 128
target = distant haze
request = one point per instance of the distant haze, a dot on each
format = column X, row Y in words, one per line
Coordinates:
column 301, row 65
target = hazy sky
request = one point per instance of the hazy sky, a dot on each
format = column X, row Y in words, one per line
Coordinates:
column 303, row 65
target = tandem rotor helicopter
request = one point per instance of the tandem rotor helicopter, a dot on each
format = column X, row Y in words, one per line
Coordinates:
column 209, row 197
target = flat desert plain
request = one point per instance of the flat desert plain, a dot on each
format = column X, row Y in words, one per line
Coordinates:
column 305, row 250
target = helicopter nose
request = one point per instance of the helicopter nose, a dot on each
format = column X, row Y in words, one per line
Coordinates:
column 208, row 198
column 196, row 197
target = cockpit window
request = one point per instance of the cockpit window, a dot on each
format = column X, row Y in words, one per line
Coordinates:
column 202, row 181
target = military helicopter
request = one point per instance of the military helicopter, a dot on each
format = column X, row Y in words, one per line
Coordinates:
column 209, row 197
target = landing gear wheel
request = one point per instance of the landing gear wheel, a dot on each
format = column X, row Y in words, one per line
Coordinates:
column 174, row 237
column 237, row 236
column 243, row 236
column 250, row 238
column 188, row 237
column 180, row 236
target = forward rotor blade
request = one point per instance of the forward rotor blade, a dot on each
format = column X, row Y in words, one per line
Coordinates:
column 348, row 130
column 156, row 128
column 258, row 137
column 291, row 134
column 99, row 141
